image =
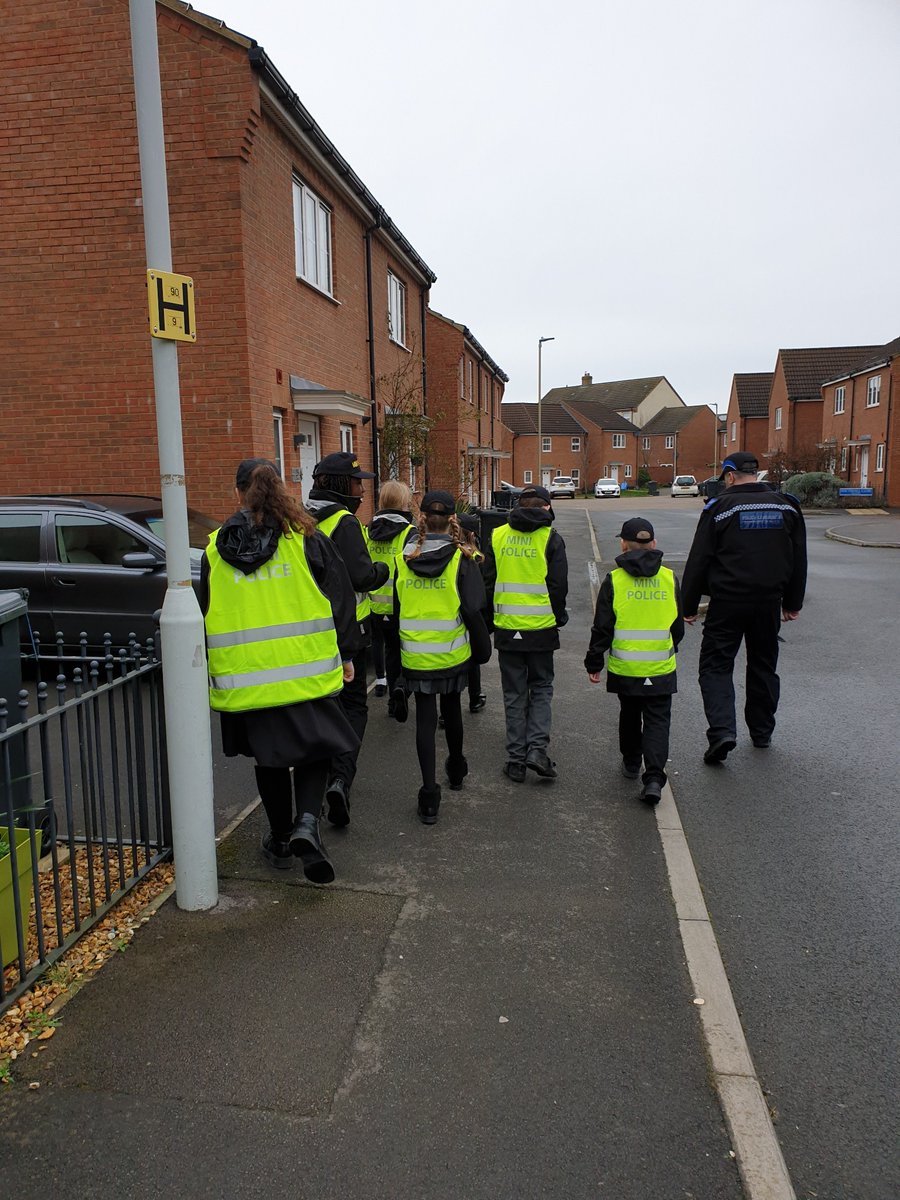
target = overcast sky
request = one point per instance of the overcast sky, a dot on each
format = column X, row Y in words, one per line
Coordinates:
column 666, row 187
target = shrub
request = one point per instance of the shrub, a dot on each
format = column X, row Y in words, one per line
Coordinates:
column 643, row 477
column 816, row 488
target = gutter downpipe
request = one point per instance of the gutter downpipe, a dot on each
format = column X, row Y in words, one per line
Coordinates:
column 379, row 214
column 423, row 307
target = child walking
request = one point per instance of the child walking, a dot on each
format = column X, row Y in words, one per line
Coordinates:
column 438, row 602
column 638, row 622
column 390, row 530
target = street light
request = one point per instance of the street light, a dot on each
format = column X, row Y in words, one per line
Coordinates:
column 540, row 434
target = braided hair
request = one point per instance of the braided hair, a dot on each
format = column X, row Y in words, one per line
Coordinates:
column 431, row 522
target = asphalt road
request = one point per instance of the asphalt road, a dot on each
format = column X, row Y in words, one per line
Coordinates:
column 797, row 851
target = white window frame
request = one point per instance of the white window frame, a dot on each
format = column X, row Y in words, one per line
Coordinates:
column 645, row 443
column 576, row 444
column 312, row 238
column 840, row 396
column 843, row 459
column 618, row 441
column 546, row 445
column 879, row 457
column 278, row 439
column 670, row 441
column 873, row 392
column 575, row 475
column 628, row 470
column 777, row 418
column 734, row 431
column 347, row 439
column 396, row 309
column 470, row 389
column 526, row 477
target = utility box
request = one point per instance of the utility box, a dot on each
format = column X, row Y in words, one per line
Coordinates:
column 652, row 488
column 13, row 606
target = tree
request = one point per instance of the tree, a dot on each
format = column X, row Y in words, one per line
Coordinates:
column 404, row 434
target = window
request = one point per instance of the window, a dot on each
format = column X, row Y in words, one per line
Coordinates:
column 627, row 470
column 844, row 460
column 396, row 309
column 20, row 537
column 469, row 389
column 645, row 442
column 278, row 440
column 94, row 542
column 526, row 478
column 838, row 400
column 462, row 377
column 777, row 418
column 576, row 477
column 546, row 445
column 734, row 431
column 879, row 457
column 618, row 441
column 873, row 392
column 670, row 441
column 312, row 237
column 347, row 438
column 576, row 443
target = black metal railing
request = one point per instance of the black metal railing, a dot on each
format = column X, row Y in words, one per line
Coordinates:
column 84, row 807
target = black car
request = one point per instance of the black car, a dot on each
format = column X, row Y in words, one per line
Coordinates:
column 92, row 564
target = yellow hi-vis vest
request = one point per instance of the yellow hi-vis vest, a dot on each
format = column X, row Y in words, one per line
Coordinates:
column 328, row 526
column 270, row 635
column 432, row 633
column 644, row 610
column 383, row 599
column 521, row 599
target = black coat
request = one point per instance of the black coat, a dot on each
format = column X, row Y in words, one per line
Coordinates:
column 527, row 520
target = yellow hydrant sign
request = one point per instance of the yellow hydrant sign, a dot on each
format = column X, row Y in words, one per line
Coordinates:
column 171, row 302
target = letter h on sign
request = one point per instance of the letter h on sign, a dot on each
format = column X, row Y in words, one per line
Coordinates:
column 171, row 302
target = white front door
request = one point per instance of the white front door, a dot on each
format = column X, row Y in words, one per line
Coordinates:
column 864, row 467
column 614, row 472
column 546, row 476
column 308, row 429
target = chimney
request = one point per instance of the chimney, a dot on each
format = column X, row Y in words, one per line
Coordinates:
column 586, row 380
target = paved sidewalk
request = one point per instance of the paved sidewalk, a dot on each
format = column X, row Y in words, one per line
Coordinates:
column 881, row 530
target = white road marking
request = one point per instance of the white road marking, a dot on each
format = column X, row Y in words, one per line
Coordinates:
column 597, row 556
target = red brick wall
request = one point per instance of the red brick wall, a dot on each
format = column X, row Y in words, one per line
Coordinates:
column 892, row 385
column 779, row 440
column 752, row 432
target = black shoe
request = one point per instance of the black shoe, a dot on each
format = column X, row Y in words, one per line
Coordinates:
column 457, row 769
column 515, row 771
column 718, row 751
column 652, row 792
column 307, row 846
column 539, row 762
column 338, row 796
column 277, row 852
column 401, row 704
column 629, row 771
column 429, row 802
column 762, row 743
column 380, row 690
column 477, row 703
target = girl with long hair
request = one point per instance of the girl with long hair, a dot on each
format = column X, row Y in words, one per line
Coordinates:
column 438, row 602
column 280, row 633
column 390, row 530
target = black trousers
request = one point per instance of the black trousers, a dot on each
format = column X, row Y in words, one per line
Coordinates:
column 644, row 733
column 473, row 682
column 274, row 785
column 355, row 705
column 386, row 642
column 426, row 730
column 378, row 646
column 727, row 624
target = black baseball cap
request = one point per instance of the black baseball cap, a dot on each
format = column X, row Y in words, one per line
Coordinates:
column 342, row 462
column 540, row 492
column 247, row 467
column 637, row 529
column 742, row 461
column 439, row 503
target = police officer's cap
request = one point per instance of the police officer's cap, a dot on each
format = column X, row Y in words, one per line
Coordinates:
column 741, row 461
column 439, row 503
column 342, row 462
column 637, row 529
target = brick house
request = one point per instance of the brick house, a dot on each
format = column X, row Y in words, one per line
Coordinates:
column 747, row 418
column 638, row 400
column 679, row 441
column 467, row 443
column 794, row 430
column 859, row 435
column 310, row 301
column 583, row 439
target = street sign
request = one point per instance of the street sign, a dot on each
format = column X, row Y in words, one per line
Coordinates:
column 856, row 491
column 171, row 302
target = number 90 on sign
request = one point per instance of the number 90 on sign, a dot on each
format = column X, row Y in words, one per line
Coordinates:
column 170, row 300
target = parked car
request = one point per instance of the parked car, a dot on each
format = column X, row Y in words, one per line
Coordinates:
column 562, row 485
column 685, row 485
column 92, row 564
column 607, row 487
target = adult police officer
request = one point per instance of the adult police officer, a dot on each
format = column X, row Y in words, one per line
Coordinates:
column 336, row 495
column 749, row 557
column 526, row 576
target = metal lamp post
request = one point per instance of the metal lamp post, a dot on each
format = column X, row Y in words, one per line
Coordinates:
column 540, row 434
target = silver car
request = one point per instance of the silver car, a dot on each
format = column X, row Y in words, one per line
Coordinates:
column 607, row 487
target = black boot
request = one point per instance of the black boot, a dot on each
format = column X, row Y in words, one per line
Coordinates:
column 429, row 802
column 307, row 846
column 457, row 769
column 277, row 851
column 337, row 794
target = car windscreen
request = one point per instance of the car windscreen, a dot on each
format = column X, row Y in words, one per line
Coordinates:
column 685, row 480
column 200, row 527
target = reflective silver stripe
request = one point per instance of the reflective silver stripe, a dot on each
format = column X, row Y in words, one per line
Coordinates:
column 642, row 655
column 434, row 647
column 425, row 624
column 641, row 635
column 526, row 589
column 268, row 633
column 360, row 596
column 275, row 674
column 385, row 595
column 524, row 610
